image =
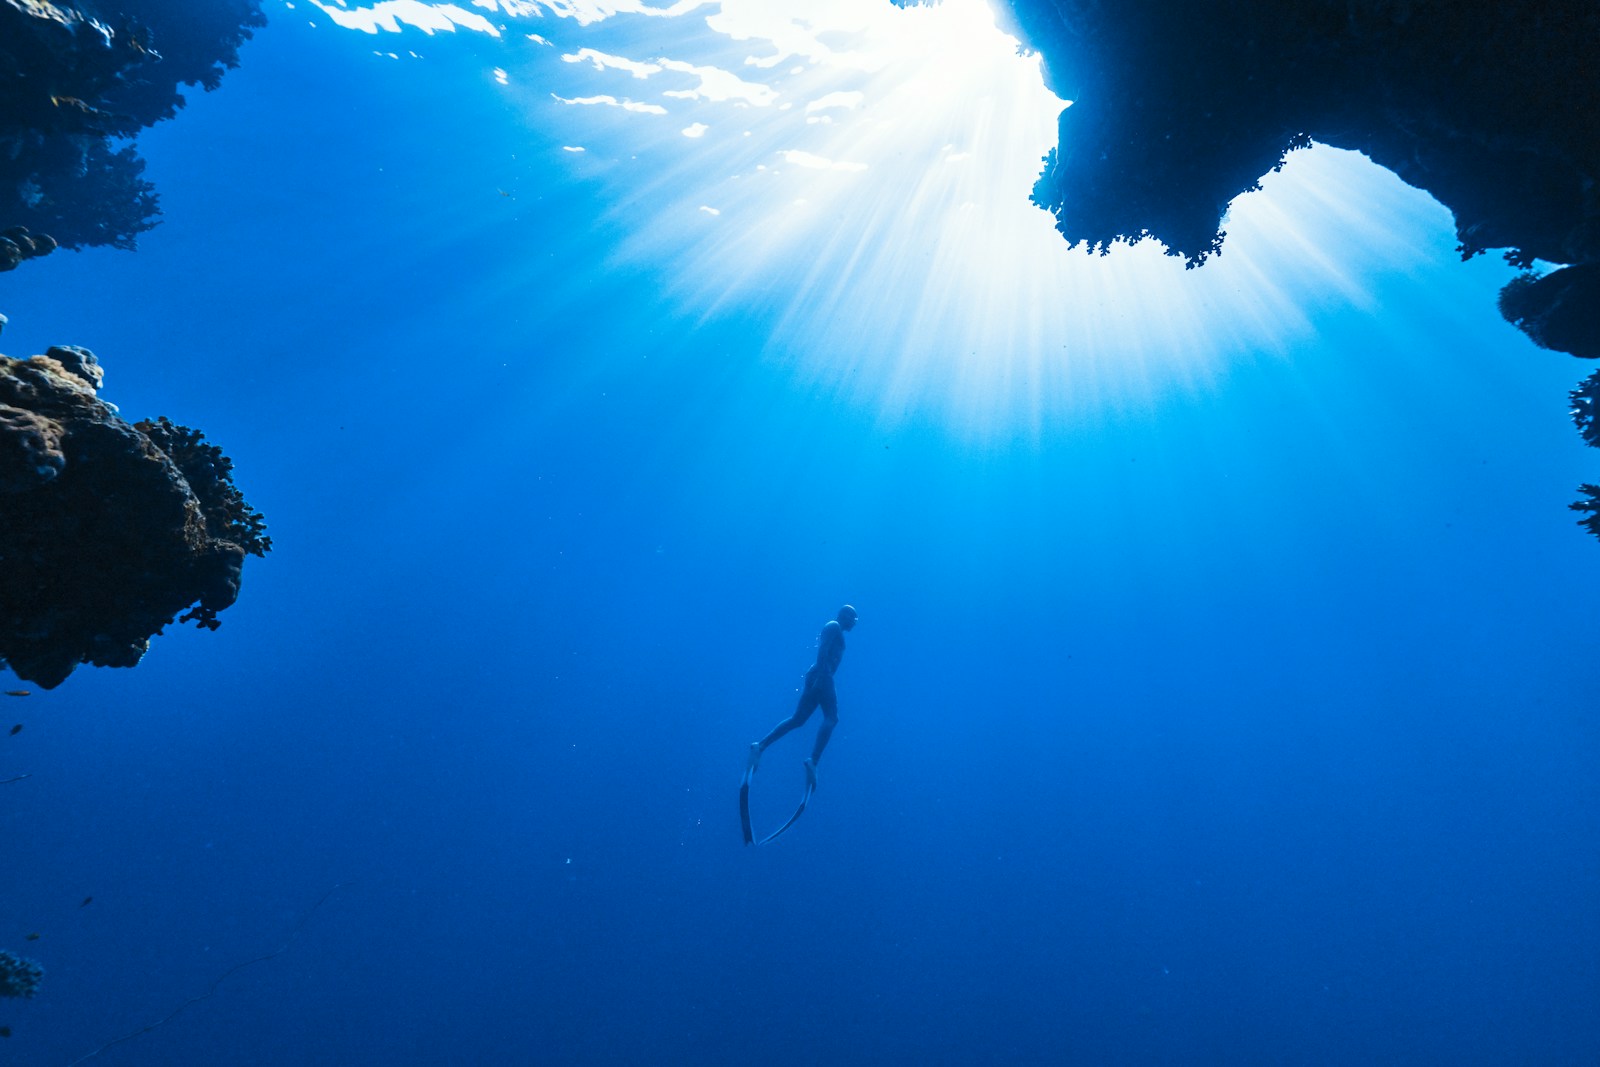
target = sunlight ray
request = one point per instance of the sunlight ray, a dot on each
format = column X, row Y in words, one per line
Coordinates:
column 859, row 174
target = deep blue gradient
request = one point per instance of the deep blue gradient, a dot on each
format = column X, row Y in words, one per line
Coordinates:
column 1253, row 726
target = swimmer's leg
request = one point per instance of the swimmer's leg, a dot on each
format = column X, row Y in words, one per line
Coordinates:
column 810, row 698
column 830, row 719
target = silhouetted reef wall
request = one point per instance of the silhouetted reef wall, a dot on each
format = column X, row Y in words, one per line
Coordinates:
column 77, row 84
column 1490, row 106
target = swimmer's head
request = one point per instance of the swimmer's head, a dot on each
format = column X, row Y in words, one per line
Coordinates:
column 847, row 617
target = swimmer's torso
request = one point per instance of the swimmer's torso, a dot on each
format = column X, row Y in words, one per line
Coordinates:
column 830, row 649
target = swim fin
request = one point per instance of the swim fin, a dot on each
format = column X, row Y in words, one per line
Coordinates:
column 744, row 804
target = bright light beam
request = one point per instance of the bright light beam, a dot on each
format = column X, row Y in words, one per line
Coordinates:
column 862, row 178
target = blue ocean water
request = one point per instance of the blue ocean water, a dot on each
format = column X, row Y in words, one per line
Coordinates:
column 1225, row 702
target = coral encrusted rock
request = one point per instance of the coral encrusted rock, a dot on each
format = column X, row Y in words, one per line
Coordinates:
column 108, row 530
column 78, row 82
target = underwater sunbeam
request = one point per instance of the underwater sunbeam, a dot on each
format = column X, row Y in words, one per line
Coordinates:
column 857, row 176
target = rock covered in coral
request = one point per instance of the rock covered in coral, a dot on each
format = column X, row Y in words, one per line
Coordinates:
column 30, row 450
column 1559, row 310
column 1586, row 416
column 1589, row 506
column 17, row 245
column 108, row 530
column 1586, row 409
column 19, row 976
column 77, row 82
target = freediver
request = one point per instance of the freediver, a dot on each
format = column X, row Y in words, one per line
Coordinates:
column 817, row 691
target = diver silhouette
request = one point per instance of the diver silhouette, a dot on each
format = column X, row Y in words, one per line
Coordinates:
column 816, row 692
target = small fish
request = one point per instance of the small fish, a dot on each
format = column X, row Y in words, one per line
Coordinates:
column 86, row 902
column 5, row 1031
column 17, row 729
column 502, row 192
column 32, row 937
column 17, row 692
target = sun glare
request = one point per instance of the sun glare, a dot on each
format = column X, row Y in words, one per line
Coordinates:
column 859, row 174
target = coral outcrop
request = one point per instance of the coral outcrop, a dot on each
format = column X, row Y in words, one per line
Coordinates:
column 1560, row 310
column 108, row 530
column 77, row 83
column 19, row 976
column 17, row 244
column 1586, row 415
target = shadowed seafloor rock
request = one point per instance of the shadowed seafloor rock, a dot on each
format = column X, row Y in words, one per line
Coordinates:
column 108, row 530
column 1490, row 106
column 77, row 83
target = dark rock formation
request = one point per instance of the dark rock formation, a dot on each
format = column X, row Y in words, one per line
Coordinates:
column 1586, row 414
column 1492, row 106
column 17, row 244
column 19, row 976
column 107, row 530
column 1590, row 506
column 1560, row 310
column 76, row 84
column 1586, row 409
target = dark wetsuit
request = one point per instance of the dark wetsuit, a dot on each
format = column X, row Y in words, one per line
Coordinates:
column 817, row 691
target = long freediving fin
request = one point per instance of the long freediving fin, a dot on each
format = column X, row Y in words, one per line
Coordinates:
column 811, row 787
column 744, row 804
